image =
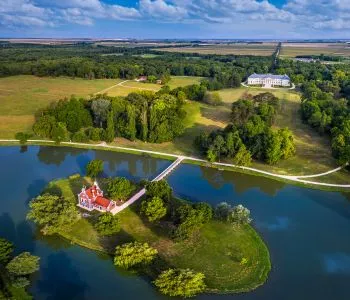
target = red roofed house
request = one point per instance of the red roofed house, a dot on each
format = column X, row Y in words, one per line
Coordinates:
column 92, row 198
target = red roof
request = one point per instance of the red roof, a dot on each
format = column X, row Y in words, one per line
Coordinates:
column 92, row 190
column 102, row 202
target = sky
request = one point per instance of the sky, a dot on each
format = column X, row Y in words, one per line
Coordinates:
column 176, row 19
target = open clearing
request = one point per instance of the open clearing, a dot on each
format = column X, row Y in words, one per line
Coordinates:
column 21, row 96
column 133, row 86
column 334, row 49
column 265, row 49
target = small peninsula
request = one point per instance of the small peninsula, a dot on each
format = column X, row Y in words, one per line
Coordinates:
column 160, row 236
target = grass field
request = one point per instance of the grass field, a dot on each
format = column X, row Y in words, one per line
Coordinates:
column 133, row 86
column 265, row 49
column 22, row 96
column 313, row 151
column 295, row 49
column 221, row 245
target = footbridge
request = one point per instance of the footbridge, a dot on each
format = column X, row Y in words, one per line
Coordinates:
column 142, row 192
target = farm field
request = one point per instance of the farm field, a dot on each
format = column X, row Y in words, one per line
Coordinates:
column 222, row 49
column 295, row 49
column 21, row 96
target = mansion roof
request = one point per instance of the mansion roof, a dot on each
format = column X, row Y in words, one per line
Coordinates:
column 272, row 76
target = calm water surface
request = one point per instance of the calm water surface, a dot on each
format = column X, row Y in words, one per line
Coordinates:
column 307, row 231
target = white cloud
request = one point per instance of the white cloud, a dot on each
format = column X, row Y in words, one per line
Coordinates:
column 161, row 9
column 296, row 15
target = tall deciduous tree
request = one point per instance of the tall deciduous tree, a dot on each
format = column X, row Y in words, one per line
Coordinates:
column 134, row 254
column 110, row 130
column 23, row 264
column 180, row 283
column 154, row 209
column 52, row 213
column 94, row 168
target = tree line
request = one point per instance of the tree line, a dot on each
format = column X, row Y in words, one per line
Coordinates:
column 325, row 101
column 250, row 134
column 147, row 116
column 86, row 61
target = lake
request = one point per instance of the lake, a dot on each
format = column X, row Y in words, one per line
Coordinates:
column 307, row 231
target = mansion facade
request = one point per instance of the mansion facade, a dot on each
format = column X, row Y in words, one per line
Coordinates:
column 269, row 80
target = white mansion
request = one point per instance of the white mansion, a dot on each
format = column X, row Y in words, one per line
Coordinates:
column 268, row 80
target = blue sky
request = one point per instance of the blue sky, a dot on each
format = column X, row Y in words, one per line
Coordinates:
column 270, row 19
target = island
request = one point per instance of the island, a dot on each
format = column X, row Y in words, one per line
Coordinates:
column 159, row 236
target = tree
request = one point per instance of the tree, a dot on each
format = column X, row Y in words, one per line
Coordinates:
column 213, row 98
column 53, row 213
column 23, row 264
column 191, row 218
column 100, row 108
column 242, row 157
column 20, row 282
column 95, row 134
column 23, row 137
column 119, row 188
column 153, row 209
column 6, row 249
column 159, row 189
column 44, row 125
column 94, row 168
column 110, row 130
column 59, row 132
column 134, row 254
column 222, row 211
column 180, row 283
column 239, row 215
column 107, row 224
column 80, row 136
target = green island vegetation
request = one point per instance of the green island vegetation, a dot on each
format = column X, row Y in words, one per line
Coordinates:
column 15, row 272
column 161, row 237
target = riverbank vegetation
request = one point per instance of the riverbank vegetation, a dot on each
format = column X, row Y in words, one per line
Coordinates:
column 15, row 272
column 176, row 242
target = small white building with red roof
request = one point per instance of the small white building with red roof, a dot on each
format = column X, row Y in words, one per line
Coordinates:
column 92, row 198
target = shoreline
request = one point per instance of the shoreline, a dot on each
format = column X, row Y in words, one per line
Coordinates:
column 289, row 179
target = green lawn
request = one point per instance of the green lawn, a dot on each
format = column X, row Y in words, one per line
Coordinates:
column 21, row 96
column 134, row 86
column 220, row 245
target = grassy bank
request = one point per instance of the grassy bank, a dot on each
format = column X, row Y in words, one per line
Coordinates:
column 220, row 245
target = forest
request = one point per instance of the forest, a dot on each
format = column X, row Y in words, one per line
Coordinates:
column 325, row 100
column 147, row 116
column 88, row 61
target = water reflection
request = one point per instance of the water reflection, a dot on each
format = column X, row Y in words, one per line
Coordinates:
column 241, row 182
column 278, row 224
column 21, row 235
column 56, row 155
column 337, row 263
column 59, row 279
